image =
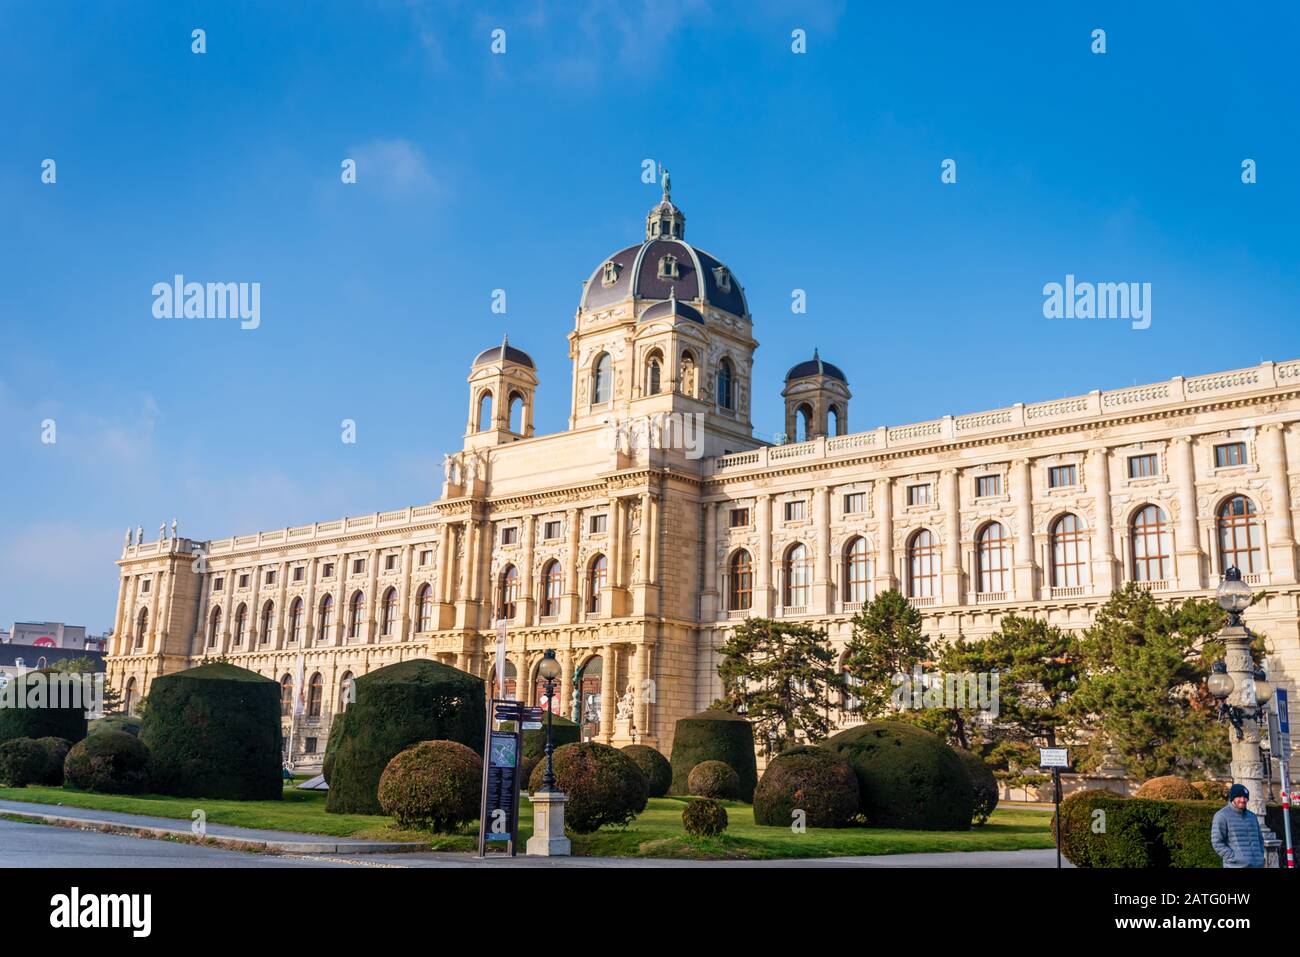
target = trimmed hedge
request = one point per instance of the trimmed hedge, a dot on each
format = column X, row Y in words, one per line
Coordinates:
column 714, row 736
column 396, row 707
column 907, row 777
column 563, row 731
column 332, row 743
column 713, row 779
column 1138, row 832
column 111, row 762
column 214, row 731
column 1212, row 790
column 22, row 762
column 1168, row 787
column 56, row 752
column 983, row 781
column 129, row 723
column 603, row 785
column 809, row 779
column 704, row 817
column 434, row 785
column 658, row 772
column 35, row 719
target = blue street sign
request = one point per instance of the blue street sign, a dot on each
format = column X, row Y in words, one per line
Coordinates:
column 1282, row 717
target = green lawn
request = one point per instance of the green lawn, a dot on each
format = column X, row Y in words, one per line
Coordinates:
column 656, row 833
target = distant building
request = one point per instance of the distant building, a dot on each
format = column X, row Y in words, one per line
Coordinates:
column 17, row 659
column 52, row 634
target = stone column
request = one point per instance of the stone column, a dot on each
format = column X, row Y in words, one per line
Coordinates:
column 227, row 610
column 1187, row 544
column 153, row 642
column 1022, row 492
column 564, row 690
column 119, row 616
column 763, row 567
column 527, row 574
column 373, row 598
column 1103, row 539
column 281, row 613
column 1281, row 528
column 445, row 559
column 404, row 591
column 310, row 610
column 608, row 691
column 951, row 571
column 1247, row 762
column 884, row 490
column 821, row 592
column 255, row 611
column 201, row 623
column 643, row 691
column 571, row 602
column 709, row 599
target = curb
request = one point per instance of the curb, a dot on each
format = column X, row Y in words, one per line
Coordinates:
column 187, row 836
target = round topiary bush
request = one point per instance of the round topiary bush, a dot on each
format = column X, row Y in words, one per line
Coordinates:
column 604, row 786
column 808, row 779
column 907, row 777
column 29, row 710
column 129, row 723
column 1169, row 787
column 658, row 772
column 1212, row 790
column 704, row 817
column 714, row 736
column 983, row 781
column 112, row 762
column 56, row 752
column 22, row 762
column 214, row 731
column 434, row 785
column 396, row 707
column 714, row 779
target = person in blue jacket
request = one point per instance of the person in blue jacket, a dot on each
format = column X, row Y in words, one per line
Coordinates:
column 1235, row 833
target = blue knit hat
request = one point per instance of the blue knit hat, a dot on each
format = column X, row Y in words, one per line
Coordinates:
column 1237, row 791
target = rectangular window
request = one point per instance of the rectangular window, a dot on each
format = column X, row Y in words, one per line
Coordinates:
column 1143, row 466
column 299, row 573
column 855, row 503
column 1060, row 476
column 310, row 746
column 243, row 581
column 270, row 578
column 918, row 495
column 358, row 566
column 328, row 570
column 510, row 535
column 739, row 517
column 426, row 556
column 390, row 562
column 1232, row 454
column 219, row 584
column 551, row 530
column 597, row 524
column 144, row 585
column 986, row 485
column 795, row 511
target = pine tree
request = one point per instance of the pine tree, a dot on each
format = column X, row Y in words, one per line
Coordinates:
column 886, row 642
column 88, row 666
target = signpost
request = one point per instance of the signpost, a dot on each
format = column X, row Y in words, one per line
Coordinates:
column 499, row 808
column 1055, row 758
column 1283, row 752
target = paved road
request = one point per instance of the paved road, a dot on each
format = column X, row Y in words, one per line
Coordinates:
column 40, row 845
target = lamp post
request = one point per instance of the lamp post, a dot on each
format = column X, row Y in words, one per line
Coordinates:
column 548, row 838
column 549, row 670
column 1242, row 691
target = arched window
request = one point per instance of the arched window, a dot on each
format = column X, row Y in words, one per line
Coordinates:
column 595, row 583
column 552, row 587
column 241, row 624
column 141, row 626
column 857, row 571
column 1239, row 536
column 314, row 691
column 740, row 578
column 295, row 620
column 389, row 611
column 483, row 421
column 834, row 426
column 803, row 423
column 516, row 414
column 214, row 627
column 992, row 558
column 1069, row 552
column 325, row 631
column 798, row 577
column 922, row 565
column 356, row 609
column 507, row 593
column 600, row 384
column 1152, row 545
column 347, row 691
column 424, row 601
column 268, row 613
column 654, row 373
column 128, row 696
column 688, row 373
column 286, row 696
column 726, row 375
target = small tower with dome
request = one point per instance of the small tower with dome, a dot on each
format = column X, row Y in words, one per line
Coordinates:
column 502, row 392
column 816, row 398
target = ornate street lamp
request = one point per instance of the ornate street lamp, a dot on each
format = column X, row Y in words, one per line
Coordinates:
column 549, row 670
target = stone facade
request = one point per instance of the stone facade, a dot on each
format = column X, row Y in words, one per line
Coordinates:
column 639, row 536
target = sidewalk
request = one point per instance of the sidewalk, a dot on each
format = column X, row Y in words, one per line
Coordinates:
column 221, row 835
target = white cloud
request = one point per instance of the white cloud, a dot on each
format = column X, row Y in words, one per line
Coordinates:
column 397, row 168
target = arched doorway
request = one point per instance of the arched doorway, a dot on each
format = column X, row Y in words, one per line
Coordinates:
column 589, row 690
column 512, row 682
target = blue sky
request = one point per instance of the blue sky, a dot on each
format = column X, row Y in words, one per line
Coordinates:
column 521, row 171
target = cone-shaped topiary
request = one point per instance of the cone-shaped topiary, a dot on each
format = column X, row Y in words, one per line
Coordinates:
column 22, row 762
column 56, row 752
column 658, row 772
column 332, row 743
column 214, row 731
column 704, row 817
column 714, row 779
column 112, row 762
column 808, row 779
column 435, row 784
column 907, row 777
column 44, row 704
column 396, row 707
column 983, row 781
column 1169, row 787
column 603, row 785
column 714, row 735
